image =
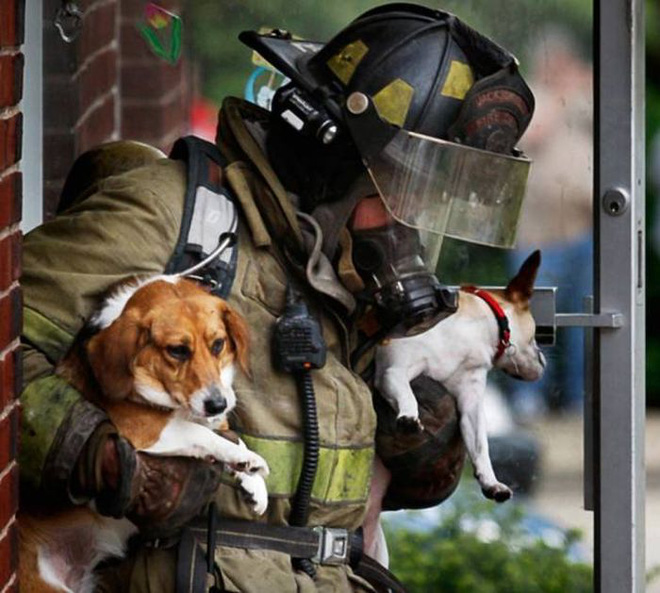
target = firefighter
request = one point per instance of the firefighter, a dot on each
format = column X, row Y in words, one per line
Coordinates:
column 399, row 130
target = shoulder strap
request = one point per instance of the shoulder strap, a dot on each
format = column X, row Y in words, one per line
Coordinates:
column 209, row 216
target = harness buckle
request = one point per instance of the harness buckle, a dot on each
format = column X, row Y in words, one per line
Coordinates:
column 333, row 545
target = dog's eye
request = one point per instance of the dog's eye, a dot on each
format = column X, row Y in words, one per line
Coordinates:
column 217, row 346
column 180, row 352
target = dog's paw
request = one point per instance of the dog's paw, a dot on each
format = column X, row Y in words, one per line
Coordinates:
column 251, row 463
column 498, row 492
column 409, row 424
column 254, row 490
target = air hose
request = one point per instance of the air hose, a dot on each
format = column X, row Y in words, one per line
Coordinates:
column 298, row 348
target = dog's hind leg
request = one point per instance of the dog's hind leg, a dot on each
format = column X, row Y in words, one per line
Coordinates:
column 470, row 399
column 59, row 553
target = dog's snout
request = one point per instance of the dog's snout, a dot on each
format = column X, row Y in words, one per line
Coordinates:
column 215, row 403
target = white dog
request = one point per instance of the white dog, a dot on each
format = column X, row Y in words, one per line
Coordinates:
column 490, row 329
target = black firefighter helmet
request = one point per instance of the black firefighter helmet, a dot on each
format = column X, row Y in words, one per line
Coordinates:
column 419, row 67
column 430, row 107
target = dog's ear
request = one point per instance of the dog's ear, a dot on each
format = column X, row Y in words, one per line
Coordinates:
column 238, row 333
column 74, row 366
column 111, row 353
column 522, row 286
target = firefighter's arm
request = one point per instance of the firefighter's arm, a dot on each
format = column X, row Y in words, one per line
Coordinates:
column 425, row 466
column 71, row 453
column 56, row 425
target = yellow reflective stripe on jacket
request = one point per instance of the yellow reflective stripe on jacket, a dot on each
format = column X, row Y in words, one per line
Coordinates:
column 45, row 335
column 343, row 473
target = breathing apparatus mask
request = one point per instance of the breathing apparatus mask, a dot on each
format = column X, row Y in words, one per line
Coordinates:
column 434, row 110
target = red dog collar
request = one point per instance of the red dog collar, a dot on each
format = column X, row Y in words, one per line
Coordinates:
column 500, row 317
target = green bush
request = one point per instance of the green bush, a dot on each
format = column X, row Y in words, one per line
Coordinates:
column 474, row 550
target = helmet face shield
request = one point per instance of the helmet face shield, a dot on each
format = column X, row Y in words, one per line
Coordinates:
column 449, row 189
column 396, row 81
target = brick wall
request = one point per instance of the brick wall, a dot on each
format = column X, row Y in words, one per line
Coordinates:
column 81, row 90
column 104, row 86
column 155, row 95
column 88, row 93
column 11, row 86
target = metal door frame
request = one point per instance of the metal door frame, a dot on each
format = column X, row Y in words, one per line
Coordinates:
column 619, row 401
column 33, row 127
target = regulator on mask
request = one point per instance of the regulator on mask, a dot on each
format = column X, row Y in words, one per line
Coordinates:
column 391, row 261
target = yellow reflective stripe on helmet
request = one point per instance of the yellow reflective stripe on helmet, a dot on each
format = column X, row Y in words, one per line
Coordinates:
column 343, row 474
column 45, row 335
column 346, row 61
column 459, row 80
column 393, row 101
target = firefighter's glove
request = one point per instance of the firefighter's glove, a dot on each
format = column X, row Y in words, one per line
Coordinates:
column 157, row 493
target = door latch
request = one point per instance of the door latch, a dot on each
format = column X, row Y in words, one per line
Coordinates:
column 544, row 310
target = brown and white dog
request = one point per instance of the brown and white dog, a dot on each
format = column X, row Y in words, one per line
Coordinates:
column 458, row 352
column 160, row 361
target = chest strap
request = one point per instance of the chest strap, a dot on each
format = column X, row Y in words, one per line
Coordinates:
column 500, row 316
column 209, row 217
column 321, row 545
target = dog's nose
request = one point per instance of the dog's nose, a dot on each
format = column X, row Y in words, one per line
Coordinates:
column 215, row 404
